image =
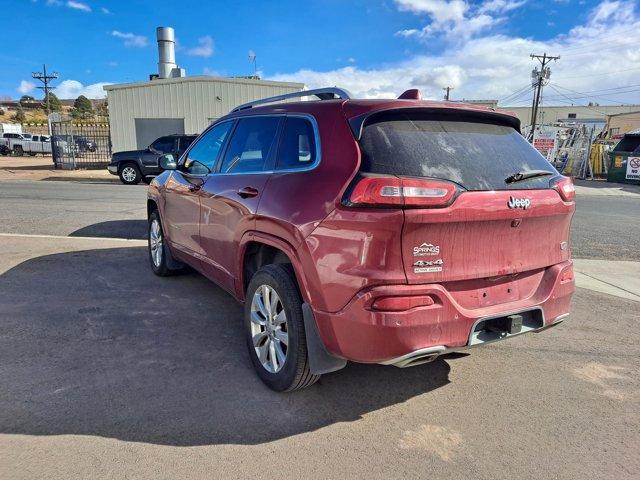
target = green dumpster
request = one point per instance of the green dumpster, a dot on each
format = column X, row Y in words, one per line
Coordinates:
column 624, row 166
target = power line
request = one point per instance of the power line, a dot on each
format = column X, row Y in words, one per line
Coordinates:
column 519, row 98
column 573, row 101
column 582, row 94
column 512, row 94
column 624, row 87
column 601, row 74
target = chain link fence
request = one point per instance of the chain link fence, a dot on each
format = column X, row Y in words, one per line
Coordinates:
column 80, row 145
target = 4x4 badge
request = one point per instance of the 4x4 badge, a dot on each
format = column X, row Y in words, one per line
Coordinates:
column 428, row 266
column 522, row 203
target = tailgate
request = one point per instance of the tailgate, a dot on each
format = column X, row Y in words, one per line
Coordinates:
column 481, row 236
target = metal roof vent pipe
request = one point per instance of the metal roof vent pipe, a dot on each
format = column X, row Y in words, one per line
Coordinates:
column 167, row 67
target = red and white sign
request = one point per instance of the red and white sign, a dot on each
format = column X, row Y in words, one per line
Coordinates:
column 544, row 141
column 633, row 168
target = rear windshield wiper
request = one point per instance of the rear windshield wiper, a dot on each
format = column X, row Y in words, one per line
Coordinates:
column 519, row 176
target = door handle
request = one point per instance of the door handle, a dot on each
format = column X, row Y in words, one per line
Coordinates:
column 194, row 188
column 248, row 192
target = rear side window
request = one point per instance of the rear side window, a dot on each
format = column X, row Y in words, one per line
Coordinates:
column 251, row 144
column 164, row 144
column 298, row 144
column 183, row 144
column 472, row 153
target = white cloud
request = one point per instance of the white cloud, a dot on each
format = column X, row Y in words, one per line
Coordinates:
column 493, row 66
column 204, row 49
column 73, row 89
column 456, row 19
column 26, row 87
column 78, row 6
column 131, row 39
column 105, row 10
column 440, row 10
column 500, row 6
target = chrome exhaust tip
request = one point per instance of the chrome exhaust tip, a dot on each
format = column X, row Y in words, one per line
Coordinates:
column 418, row 357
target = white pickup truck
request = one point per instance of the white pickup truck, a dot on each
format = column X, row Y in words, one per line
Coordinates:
column 24, row 143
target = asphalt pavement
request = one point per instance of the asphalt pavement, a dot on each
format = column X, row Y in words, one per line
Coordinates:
column 107, row 371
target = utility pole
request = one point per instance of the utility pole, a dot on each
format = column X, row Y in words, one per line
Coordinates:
column 447, row 91
column 45, row 79
column 538, row 80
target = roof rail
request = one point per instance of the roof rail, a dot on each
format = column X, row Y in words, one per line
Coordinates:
column 327, row 93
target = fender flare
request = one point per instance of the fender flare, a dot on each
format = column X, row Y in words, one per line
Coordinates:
column 320, row 360
column 280, row 244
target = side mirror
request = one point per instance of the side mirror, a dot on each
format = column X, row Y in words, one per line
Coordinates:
column 168, row 162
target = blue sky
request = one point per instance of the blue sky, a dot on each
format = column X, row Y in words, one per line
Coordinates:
column 374, row 48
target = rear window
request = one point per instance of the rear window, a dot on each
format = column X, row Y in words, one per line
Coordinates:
column 473, row 153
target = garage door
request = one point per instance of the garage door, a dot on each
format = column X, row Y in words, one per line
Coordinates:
column 148, row 129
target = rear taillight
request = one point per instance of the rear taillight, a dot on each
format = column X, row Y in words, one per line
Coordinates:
column 388, row 191
column 567, row 274
column 565, row 188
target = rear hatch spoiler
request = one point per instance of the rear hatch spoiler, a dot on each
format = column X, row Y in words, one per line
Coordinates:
column 481, row 114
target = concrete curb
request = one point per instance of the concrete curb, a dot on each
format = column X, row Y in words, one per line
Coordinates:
column 618, row 278
column 115, row 180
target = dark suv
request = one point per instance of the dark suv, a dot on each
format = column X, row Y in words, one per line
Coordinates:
column 136, row 165
column 376, row 231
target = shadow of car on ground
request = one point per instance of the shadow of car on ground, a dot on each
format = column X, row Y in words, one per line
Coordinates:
column 92, row 343
column 127, row 229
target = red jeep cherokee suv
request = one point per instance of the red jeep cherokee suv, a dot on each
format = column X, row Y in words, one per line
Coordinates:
column 376, row 231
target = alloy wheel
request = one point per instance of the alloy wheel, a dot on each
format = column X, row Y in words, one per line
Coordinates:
column 155, row 242
column 129, row 174
column 269, row 330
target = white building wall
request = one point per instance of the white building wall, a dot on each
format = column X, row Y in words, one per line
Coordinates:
column 197, row 100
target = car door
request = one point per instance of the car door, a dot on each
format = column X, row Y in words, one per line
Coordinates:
column 230, row 196
column 182, row 189
column 150, row 157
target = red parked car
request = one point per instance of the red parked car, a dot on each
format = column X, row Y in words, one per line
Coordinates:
column 375, row 231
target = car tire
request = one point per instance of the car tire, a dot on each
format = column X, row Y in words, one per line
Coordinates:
column 18, row 151
column 159, row 255
column 147, row 180
column 275, row 331
column 129, row 174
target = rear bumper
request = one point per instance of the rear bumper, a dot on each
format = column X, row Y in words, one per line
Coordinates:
column 361, row 334
column 113, row 168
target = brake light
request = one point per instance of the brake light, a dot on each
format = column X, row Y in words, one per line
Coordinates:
column 566, row 189
column 566, row 275
column 400, row 304
column 401, row 192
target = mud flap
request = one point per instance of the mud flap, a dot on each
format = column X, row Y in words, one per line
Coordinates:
column 172, row 263
column 320, row 361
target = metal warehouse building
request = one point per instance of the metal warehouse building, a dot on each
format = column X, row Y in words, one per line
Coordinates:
column 141, row 112
column 173, row 103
